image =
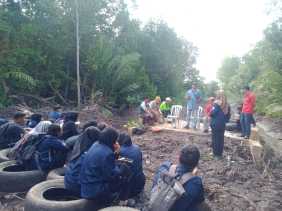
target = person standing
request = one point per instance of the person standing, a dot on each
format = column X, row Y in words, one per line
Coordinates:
column 207, row 111
column 220, row 115
column 194, row 98
column 246, row 119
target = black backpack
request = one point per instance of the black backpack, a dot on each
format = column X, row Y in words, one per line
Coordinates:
column 27, row 150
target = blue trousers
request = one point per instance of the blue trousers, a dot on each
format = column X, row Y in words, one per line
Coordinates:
column 246, row 120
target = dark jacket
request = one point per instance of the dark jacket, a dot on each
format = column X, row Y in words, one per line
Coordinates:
column 218, row 118
column 34, row 120
column 136, row 184
column 82, row 145
column 194, row 189
column 10, row 133
column 69, row 130
column 99, row 176
column 72, row 175
column 50, row 154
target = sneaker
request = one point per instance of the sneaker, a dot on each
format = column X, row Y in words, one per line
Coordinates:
column 206, row 131
column 242, row 136
column 246, row 137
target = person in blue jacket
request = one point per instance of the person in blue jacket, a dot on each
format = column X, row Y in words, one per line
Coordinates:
column 100, row 176
column 131, row 151
column 51, row 151
column 220, row 115
column 194, row 190
column 82, row 145
column 55, row 114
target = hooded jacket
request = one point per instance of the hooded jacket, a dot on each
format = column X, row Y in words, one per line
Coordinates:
column 99, row 176
column 69, row 130
column 83, row 143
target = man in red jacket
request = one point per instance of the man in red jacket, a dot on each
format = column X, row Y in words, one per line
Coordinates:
column 249, row 103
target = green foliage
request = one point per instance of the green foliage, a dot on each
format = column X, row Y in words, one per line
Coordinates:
column 262, row 69
column 118, row 58
column 210, row 89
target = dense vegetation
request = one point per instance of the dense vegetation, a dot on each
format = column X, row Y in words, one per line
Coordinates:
column 120, row 61
column 261, row 68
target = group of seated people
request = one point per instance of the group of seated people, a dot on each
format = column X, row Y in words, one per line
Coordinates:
column 154, row 111
column 102, row 165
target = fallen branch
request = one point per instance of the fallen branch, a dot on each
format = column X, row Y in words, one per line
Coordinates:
column 39, row 99
column 58, row 94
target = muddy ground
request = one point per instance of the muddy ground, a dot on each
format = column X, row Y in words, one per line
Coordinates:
column 230, row 186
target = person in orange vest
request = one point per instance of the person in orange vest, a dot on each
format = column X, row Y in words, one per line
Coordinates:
column 249, row 103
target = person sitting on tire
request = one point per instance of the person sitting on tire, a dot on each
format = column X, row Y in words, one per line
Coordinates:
column 92, row 123
column 69, row 130
column 55, row 114
column 40, row 130
column 34, row 120
column 82, row 145
column 11, row 132
column 131, row 151
column 70, row 142
column 188, row 161
column 100, row 176
column 51, row 152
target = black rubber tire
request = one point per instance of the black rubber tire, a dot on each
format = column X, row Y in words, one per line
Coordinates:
column 58, row 173
column 18, row 181
column 35, row 200
column 4, row 155
column 118, row 208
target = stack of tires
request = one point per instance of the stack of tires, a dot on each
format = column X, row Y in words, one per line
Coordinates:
column 49, row 195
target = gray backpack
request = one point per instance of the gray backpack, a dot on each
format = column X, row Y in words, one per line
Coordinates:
column 168, row 190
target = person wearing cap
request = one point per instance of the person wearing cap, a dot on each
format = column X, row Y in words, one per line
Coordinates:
column 166, row 106
column 155, row 109
column 34, row 120
column 207, row 112
column 55, row 114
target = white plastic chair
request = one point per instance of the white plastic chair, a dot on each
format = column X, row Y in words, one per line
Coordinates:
column 174, row 116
